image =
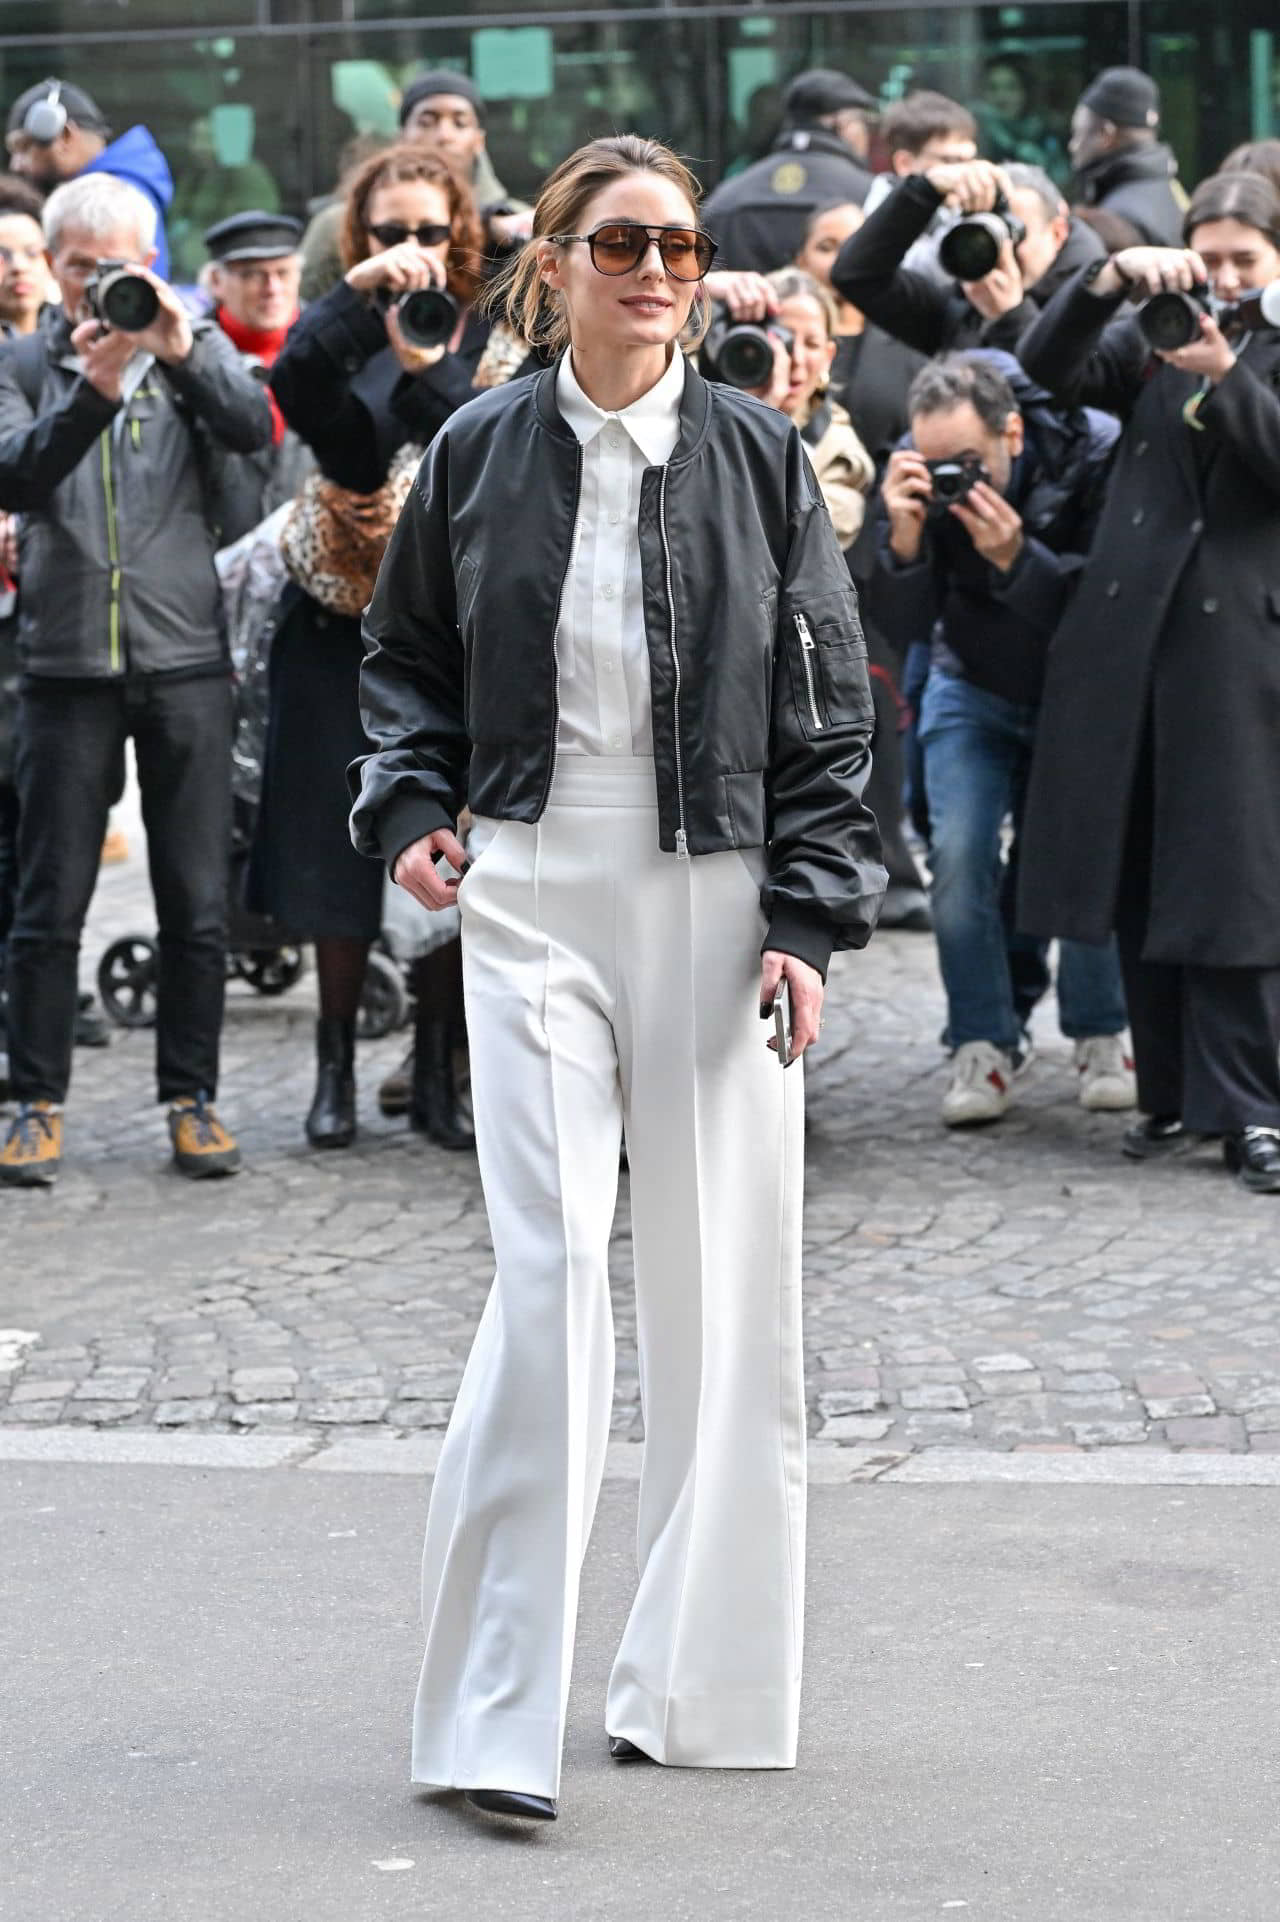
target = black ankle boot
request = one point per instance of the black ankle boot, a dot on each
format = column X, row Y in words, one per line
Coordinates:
column 332, row 1120
column 433, row 1107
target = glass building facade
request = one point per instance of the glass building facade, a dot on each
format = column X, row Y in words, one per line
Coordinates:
column 253, row 100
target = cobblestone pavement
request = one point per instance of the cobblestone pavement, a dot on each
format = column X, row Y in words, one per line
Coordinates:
column 1019, row 1288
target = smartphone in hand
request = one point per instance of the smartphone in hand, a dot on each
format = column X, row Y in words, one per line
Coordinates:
column 782, row 1023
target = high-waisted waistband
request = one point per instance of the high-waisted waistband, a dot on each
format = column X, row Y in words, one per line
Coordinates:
column 604, row 781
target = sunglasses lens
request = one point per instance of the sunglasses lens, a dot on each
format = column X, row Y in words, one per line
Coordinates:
column 432, row 235
column 685, row 253
column 616, row 250
column 389, row 233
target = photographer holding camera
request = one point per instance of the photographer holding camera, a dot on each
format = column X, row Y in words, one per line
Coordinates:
column 986, row 517
column 120, row 635
column 1013, row 246
column 1155, row 797
column 367, row 376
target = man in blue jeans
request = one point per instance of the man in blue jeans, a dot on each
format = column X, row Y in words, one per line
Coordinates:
column 986, row 517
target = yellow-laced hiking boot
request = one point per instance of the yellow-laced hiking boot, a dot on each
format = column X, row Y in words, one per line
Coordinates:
column 201, row 1145
column 32, row 1154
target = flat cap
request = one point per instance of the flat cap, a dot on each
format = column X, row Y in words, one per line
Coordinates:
column 253, row 236
column 824, row 90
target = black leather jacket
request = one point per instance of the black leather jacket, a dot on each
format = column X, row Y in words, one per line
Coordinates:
column 762, row 711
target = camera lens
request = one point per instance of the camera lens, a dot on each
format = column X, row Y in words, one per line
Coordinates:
column 1170, row 320
column 745, row 358
column 427, row 316
column 128, row 302
column 970, row 249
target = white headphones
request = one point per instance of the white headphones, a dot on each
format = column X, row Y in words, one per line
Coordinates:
column 46, row 118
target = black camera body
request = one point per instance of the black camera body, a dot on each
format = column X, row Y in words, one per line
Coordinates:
column 1172, row 319
column 427, row 315
column 953, row 479
column 971, row 247
column 118, row 296
column 740, row 352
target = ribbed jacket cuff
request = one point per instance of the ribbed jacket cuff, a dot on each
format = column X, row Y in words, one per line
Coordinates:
column 807, row 936
column 405, row 820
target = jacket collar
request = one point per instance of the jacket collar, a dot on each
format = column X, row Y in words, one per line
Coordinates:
column 695, row 412
column 1118, row 169
column 814, row 140
column 653, row 421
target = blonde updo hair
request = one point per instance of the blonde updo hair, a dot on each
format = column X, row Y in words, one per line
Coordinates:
column 521, row 297
column 793, row 283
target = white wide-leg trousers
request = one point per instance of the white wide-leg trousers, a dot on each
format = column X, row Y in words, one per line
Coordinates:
column 607, row 982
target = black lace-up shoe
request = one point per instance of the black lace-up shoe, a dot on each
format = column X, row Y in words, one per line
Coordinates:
column 1254, row 1158
column 1159, row 1134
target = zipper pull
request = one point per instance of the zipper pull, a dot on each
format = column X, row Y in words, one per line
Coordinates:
column 807, row 641
column 682, row 845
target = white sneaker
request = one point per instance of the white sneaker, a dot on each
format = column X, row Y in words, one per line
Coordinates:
column 981, row 1076
column 1105, row 1068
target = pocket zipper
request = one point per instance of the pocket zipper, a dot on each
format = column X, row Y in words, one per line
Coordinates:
column 808, row 647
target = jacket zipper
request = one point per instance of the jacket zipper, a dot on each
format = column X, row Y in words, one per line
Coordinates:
column 555, row 653
column 682, row 838
column 808, row 647
column 113, row 552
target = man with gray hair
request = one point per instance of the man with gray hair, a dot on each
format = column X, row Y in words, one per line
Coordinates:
column 119, row 636
column 988, row 512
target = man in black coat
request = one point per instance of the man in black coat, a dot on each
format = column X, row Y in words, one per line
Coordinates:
column 937, row 318
column 1154, row 803
column 1120, row 163
column 989, row 575
column 759, row 216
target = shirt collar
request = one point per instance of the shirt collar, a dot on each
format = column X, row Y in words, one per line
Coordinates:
column 653, row 421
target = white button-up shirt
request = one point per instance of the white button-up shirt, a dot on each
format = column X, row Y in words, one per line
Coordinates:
column 602, row 658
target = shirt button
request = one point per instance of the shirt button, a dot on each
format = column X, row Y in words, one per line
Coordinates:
column 1139, row 516
column 615, row 740
column 1113, row 589
column 608, row 667
column 1197, row 527
column 1210, row 606
column 614, row 519
column 607, row 592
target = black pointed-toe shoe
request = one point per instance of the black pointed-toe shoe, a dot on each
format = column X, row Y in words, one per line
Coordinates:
column 1160, row 1134
column 534, row 1808
column 624, row 1751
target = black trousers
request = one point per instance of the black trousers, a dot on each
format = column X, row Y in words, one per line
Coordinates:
column 70, row 769
column 1205, row 1040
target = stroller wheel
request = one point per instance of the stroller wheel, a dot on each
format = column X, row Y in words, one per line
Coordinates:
column 127, row 981
column 270, row 970
column 384, row 1004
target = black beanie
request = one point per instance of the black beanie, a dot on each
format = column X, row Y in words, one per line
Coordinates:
column 1124, row 95
column 440, row 80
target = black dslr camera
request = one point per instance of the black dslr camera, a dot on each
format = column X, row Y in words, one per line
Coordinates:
column 971, row 248
column 118, row 296
column 1172, row 319
column 953, row 480
column 740, row 352
column 427, row 315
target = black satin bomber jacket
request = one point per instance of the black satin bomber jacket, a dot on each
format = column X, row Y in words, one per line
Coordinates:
column 762, row 709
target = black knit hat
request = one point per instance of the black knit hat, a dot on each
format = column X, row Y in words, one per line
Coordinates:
column 441, row 80
column 1124, row 95
column 823, row 90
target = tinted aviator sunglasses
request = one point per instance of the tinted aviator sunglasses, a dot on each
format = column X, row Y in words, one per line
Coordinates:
column 393, row 233
column 617, row 248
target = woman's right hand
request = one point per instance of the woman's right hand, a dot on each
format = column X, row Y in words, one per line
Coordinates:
column 747, row 296
column 400, row 269
column 1144, row 271
column 416, row 872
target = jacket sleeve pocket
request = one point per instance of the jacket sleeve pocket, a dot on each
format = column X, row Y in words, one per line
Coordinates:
column 827, row 658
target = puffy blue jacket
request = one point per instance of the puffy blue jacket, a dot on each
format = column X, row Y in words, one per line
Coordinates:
column 135, row 157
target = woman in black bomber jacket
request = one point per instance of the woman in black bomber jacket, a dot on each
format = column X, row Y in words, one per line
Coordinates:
column 614, row 615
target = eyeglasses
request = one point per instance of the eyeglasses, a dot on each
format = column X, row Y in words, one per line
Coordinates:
column 686, row 252
column 393, row 233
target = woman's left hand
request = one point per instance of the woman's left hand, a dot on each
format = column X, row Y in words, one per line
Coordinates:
column 807, row 995
column 1212, row 354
